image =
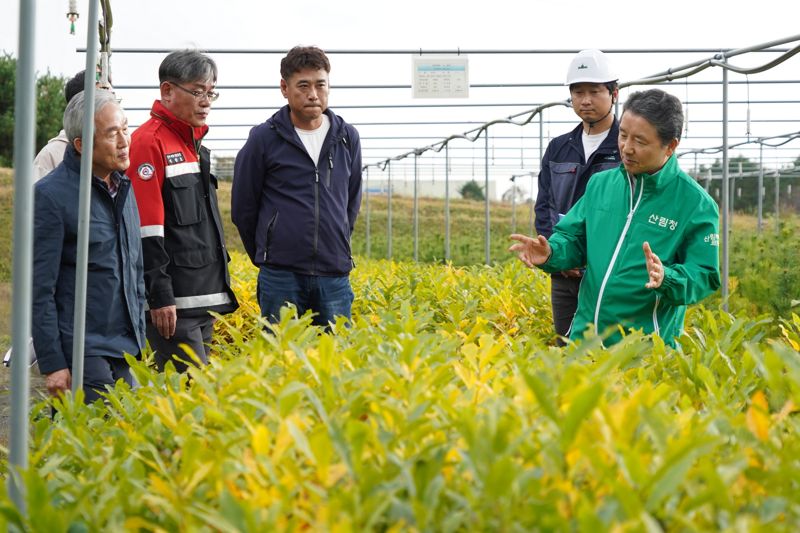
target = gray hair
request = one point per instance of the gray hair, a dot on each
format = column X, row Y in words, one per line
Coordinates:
column 660, row 109
column 186, row 66
column 73, row 114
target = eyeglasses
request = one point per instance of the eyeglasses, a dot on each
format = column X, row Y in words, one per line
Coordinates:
column 199, row 95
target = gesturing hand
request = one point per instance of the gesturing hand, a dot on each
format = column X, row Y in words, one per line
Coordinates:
column 530, row 251
column 655, row 269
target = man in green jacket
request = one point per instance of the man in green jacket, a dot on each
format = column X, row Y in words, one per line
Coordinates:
column 646, row 231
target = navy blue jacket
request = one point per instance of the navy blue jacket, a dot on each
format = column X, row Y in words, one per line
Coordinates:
column 565, row 173
column 294, row 213
column 115, row 282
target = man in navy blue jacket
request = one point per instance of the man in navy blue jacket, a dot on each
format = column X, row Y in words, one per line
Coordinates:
column 115, row 284
column 296, row 196
column 571, row 159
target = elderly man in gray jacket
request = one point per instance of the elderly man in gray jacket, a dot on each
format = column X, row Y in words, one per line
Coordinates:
column 115, row 288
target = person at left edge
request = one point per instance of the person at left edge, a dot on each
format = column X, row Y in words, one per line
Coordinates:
column 185, row 259
column 115, row 286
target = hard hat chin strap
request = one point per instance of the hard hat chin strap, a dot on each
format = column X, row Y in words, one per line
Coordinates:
column 610, row 109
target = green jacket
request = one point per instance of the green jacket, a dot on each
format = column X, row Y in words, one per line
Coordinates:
column 605, row 231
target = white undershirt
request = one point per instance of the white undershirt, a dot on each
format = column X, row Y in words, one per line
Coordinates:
column 592, row 142
column 313, row 139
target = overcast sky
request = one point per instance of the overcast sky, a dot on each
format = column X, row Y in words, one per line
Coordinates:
column 413, row 24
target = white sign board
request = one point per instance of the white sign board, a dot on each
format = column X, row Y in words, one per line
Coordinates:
column 440, row 77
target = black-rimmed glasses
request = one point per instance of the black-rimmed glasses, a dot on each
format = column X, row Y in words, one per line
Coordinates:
column 198, row 95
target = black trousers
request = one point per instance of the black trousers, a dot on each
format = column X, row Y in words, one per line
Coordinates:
column 564, row 301
column 195, row 332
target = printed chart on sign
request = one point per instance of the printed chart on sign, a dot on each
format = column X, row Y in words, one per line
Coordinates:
column 441, row 77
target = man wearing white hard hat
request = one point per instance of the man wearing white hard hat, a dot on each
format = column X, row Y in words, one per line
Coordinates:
column 571, row 159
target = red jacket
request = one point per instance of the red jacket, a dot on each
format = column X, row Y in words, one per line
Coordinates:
column 185, row 260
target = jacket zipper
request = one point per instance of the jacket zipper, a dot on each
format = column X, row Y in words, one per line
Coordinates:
column 631, row 211
column 315, row 247
column 316, row 217
column 656, row 329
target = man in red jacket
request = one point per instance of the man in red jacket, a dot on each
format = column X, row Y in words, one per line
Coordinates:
column 185, row 259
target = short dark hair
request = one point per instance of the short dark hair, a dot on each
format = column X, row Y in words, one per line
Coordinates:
column 303, row 57
column 663, row 110
column 610, row 85
column 186, row 66
column 75, row 85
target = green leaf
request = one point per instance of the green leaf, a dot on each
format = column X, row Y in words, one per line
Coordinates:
column 543, row 395
column 580, row 408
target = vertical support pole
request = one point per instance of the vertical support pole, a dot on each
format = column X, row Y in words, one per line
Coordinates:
column 24, row 142
column 726, row 196
column 389, row 214
column 447, row 202
column 736, row 187
column 514, row 204
column 366, row 196
column 541, row 157
column 531, row 205
column 84, row 202
column 777, row 201
column 416, row 211
column 486, row 196
column 760, row 186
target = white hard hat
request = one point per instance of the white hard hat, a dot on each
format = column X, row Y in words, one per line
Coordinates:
column 589, row 66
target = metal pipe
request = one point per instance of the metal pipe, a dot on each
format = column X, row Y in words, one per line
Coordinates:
column 541, row 158
column 525, row 105
column 447, row 203
column 731, row 53
column 366, row 198
column 151, row 87
column 416, row 211
column 777, row 201
column 522, row 139
column 504, row 121
column 760, row 186
column 725, row 190
column 486, row 196
column 420, row 51
column 531, row 205
column 389, row 214
column 24, row 142
column 84, row 202
column 513, row 204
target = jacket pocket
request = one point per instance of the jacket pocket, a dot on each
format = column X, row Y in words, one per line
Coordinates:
column 193, row 258
column 563, row 180
column 270, row 232
column 186, row 199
